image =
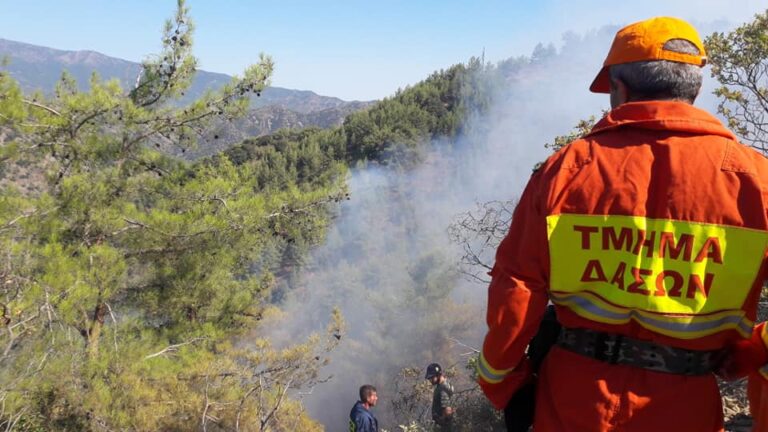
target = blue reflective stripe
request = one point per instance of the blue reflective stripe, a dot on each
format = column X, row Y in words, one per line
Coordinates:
column 488, row 373
column 487, row 376
column 590, row 307
column 706, row 326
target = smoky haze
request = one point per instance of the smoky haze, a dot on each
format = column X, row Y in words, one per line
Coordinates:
column 387, row 262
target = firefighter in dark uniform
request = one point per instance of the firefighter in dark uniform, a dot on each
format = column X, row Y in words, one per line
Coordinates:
column 442, row 406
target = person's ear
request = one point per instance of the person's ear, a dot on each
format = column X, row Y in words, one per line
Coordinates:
column 619, row 92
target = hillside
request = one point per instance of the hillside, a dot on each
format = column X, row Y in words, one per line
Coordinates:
column 265, row 121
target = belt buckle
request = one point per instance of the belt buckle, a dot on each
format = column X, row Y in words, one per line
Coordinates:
column 608, row 347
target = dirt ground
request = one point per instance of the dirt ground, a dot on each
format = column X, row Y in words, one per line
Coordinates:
column 735, row 406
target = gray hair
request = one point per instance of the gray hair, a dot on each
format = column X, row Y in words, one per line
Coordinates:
column 662, row 79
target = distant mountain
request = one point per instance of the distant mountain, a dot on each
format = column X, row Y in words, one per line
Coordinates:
column 39, row 68
column 264, row 121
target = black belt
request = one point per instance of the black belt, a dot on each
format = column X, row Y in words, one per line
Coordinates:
column 618, row 349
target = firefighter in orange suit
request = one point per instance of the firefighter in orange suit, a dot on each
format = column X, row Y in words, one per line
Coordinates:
column 757, row 387
column 649, row 235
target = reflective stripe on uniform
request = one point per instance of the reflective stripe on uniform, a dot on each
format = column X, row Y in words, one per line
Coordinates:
column 678, row 278
column 592, row 307
column 488, row 373
column 764, row 335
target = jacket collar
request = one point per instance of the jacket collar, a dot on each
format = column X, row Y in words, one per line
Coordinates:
column 662, row 115
column 361, row 405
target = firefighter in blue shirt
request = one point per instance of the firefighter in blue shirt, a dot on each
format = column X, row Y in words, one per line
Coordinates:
column 361, row 418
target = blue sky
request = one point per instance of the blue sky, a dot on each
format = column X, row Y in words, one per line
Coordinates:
column 345, row 48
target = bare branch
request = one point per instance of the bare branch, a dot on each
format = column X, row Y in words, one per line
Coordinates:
column 478, row 233
column 173, row 348
column 303, row 210
column 458, row 342
column 265, row 420
column 89, row 117
column 153, row 229
column 114, row 321
column 240, row 408
column 207, row 404
column 13, row 221
column 20, row 323
column 41, row 106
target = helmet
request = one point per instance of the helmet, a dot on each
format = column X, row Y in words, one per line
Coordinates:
column 433, row 370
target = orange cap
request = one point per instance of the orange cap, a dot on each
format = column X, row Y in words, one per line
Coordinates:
column 643, row 41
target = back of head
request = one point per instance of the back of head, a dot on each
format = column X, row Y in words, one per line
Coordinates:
column 662, row 79
column 657, row 59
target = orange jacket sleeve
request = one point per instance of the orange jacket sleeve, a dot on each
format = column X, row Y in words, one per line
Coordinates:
column 757, row 387
column 747, row 356
column 517, row 298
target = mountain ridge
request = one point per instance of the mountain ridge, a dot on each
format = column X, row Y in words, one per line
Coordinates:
column 39, row 68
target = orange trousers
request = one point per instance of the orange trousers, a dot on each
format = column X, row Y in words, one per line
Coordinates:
column 758, row 402
column 580, row 394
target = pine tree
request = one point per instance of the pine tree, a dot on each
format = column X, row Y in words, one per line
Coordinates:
column 740, row 64
column 132, row 284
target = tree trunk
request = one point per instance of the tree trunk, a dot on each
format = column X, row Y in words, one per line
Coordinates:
column 95, row 331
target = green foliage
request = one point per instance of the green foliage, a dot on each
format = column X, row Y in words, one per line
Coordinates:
column 132, row 284
column 393, row 131
column 307, row 157
column 435, row 107
column 582, row 128
column 740, row 63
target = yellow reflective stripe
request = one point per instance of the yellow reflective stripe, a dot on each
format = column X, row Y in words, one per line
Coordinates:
column 488, row 373
column 590, row 306
column 764, row 335
column 654, row 265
